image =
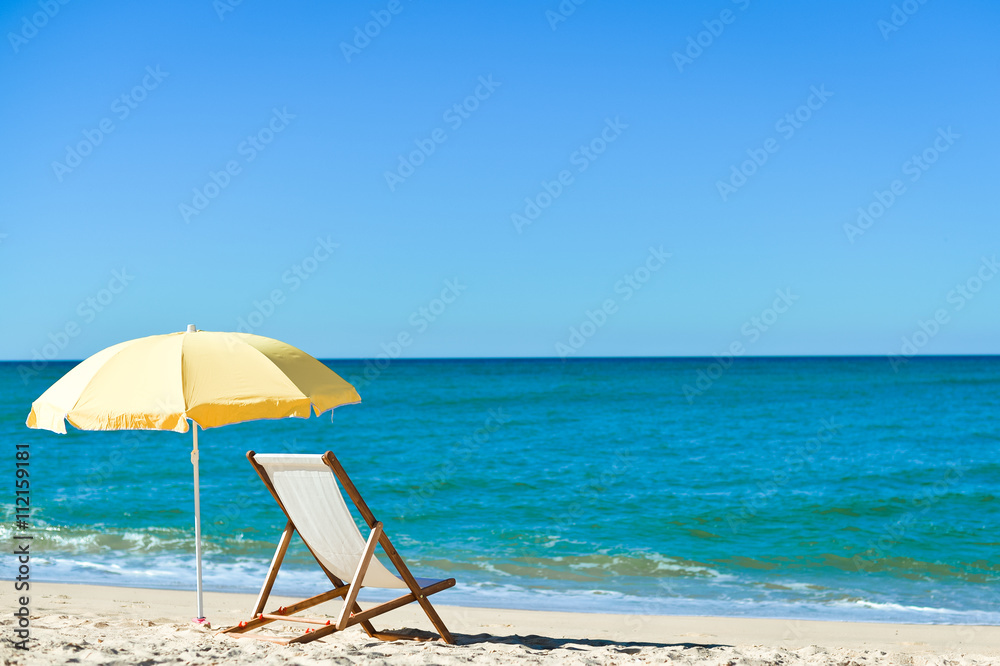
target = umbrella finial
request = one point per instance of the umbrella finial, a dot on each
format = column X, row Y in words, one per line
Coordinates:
column 192, row 328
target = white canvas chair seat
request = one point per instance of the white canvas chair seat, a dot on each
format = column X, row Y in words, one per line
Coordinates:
column 304, row 483
column 306, row 489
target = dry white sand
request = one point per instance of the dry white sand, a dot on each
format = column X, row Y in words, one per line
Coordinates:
column 85, row 624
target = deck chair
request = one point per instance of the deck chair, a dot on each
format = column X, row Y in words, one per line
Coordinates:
column 305, row 487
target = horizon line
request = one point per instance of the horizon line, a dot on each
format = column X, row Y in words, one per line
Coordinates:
column 591, row 358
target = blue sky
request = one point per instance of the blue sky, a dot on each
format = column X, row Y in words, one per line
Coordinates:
column 632, row 127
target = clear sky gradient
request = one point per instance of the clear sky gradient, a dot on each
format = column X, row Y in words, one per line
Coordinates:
column 268, row 167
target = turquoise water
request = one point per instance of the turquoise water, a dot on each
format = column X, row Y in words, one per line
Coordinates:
column 826, row 488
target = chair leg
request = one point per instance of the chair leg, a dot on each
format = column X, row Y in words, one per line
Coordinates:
column 272, row 571
column 435, row 619
column 350, row 601
column 421, row 597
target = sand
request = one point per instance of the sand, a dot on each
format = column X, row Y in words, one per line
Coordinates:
column 85, row 624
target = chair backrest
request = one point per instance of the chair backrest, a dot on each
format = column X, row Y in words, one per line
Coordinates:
column 309, row 491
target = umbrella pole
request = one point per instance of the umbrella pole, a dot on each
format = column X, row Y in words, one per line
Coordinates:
column 197, row 521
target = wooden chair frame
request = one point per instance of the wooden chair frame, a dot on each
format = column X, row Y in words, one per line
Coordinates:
column 351, row 613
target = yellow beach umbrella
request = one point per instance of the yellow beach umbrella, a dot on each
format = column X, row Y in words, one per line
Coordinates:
column 210, row 378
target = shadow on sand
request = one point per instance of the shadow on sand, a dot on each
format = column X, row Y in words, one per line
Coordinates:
column 535, row 642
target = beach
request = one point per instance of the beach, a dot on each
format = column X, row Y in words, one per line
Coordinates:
column 91, row 624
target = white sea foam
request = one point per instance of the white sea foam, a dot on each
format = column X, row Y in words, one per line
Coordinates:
column 952, row 615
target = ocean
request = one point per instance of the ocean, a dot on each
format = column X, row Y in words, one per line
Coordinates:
column 809, row 488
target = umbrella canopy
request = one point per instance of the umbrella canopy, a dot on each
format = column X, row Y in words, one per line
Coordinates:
column 212, row 378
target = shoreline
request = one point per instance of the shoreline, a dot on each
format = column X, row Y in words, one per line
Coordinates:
column 785, row 614
column 124, row 625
